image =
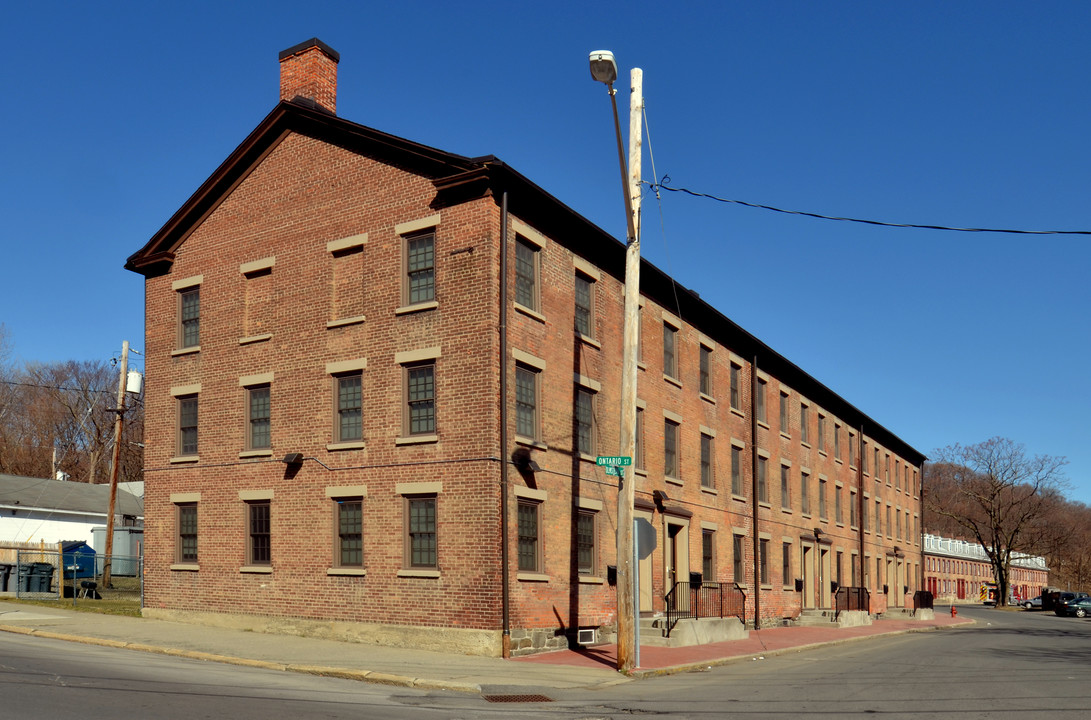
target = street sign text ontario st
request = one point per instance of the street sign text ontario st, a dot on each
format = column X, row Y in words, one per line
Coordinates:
column 614, row 460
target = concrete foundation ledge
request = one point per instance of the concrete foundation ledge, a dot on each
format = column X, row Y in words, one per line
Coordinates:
column 486, row 643
column 707, row 630
column 854, row 618
column 924, row 614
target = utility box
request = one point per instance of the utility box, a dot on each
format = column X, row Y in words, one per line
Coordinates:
column 128, row 547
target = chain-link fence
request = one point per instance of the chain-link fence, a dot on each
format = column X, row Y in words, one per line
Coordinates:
column 83, row 576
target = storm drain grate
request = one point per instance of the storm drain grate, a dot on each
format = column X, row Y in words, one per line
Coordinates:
column 517, row 698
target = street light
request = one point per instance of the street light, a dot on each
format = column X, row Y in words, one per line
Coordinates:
column 604, row 70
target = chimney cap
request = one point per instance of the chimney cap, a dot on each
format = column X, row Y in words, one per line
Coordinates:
column 307, row 44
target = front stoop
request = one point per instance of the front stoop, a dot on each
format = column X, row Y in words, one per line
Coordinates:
column 816, row 618
column 689, row 631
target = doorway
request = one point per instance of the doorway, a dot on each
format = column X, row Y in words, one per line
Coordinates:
column 808, row 577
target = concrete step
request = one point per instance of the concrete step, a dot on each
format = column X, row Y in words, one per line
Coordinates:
column 816, row 618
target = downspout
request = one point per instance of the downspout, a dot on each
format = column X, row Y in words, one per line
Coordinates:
column 862, row 504
column 754, row 489
column 505, row 591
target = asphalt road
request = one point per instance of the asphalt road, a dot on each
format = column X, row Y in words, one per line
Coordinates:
column 1010, row 665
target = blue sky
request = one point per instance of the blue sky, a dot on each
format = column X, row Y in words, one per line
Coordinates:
column 962, row 114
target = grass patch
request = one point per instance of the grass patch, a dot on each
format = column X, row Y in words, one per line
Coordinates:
column 130, row 608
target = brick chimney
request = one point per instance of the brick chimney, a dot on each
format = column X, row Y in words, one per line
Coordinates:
column 308, row 75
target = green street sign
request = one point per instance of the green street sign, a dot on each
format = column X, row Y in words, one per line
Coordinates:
column 614, row 460
column 615, row 470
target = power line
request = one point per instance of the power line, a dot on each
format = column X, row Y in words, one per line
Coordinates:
column 53, row 387
column 666, row 179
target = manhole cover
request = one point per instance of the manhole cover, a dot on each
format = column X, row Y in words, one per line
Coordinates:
column 517, row 698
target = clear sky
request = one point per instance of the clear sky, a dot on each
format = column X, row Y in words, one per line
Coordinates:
column 962, row 114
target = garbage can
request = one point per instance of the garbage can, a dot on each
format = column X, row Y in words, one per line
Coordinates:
column 44, row 573
column 23, row 575
column 5, row 572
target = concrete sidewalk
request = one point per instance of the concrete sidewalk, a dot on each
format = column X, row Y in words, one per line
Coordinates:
column 591, row 668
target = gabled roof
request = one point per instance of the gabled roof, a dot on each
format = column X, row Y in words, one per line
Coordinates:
column 42, row 494
column 458, row 179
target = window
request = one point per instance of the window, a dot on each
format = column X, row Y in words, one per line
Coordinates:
column 786, row 563
column 258, row 435
column 821, row 432
column 585, row 421
column 421, row 532
column 259, row 550
column 708, row 558
column 784, row 413
column 763, row 489
column 763, row 561
column 706, row 461
column 822, row 498
column 889, row 525
column 526, row 274
column 738, row 573
column 878, row 517
column 804, row 422
column 584, row 305
column 526, row 402
column 187, row 533
column 759, row 402
column 706, row 370
column 878, row 573
column 670, row 449
column 350, row 533
column 585, row 542
column 886, row 468
column 838, row 514
column 836, row 441
column 187, row 425
column 420, row 268
column 852, row 508
column 837, row 570
column 864, row 515
column 863, row 455
column 736, row 470
column 670, row 348
column 736, row 401
column 852, row 449
column 350, row 426
column 804, row 493
column 189, row 317
column 876, row 466
column 638, row 461
column 420, row 389
column 529, row 545
column 785, row 477
column 898, row 525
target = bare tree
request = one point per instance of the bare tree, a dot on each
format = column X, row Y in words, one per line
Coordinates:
column 998, row 495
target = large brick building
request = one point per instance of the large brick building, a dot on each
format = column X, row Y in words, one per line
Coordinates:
column 959, row 570
column 340, row 407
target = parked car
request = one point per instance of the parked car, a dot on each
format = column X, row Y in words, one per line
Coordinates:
column 1080, row 607
column 1065, row 599
column 1033, row 604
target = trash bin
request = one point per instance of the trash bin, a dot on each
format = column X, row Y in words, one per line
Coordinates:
column 23, row 575
column 79, row 560
column 44, row 573
column 5, row 572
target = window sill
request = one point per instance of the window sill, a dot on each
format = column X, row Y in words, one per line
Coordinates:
column 822, row 452
column 840, row 525
column 416, row 440
column 418, row 573
column 709, row 490
column 184, row 459
column 186, row 351
column 785, row 435
column 672, row 380
column 641, row 365
column 763, row 504
column 588, row 340
column 257, row 569
column 591, row 580
column 255, row 339
column 786, row 510
column 767, row 586
column 740, row 498
column 708, row 398
column 352, row 572
column 342, row 322
column 354, row 445
column 672, row 481
column 839, row 461
column 185, row 567
column 588, row 458
column 255, row 454
column 763, row 424
column 531, row 577
column 738, row 412
column 530, row 442
column 805, row 444
column 641, row 472
column 532, row 314
column 805, row 516
column 418, row 307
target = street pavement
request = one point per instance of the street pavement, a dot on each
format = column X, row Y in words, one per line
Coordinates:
column 589, row 668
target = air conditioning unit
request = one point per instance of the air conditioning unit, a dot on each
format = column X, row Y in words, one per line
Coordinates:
column 586, row 637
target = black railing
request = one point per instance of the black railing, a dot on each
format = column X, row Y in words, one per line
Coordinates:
column 704, row 600
column 922, row 599
column 851, row 598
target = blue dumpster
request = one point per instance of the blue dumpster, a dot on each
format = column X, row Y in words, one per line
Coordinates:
column 78, row 559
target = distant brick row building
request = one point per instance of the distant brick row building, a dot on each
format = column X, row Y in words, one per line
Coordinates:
column 959, row 570
column 326, row 375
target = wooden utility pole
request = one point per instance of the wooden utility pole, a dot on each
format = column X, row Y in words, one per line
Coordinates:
column 120, row 410
column 627, row 609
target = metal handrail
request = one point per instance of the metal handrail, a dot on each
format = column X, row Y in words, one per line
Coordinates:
column 851, row 598
column 705, row 599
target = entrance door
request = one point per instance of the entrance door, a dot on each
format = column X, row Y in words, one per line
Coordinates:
column 808, row 577
column 676, row 562
column 824, row 578
column 645, row 570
